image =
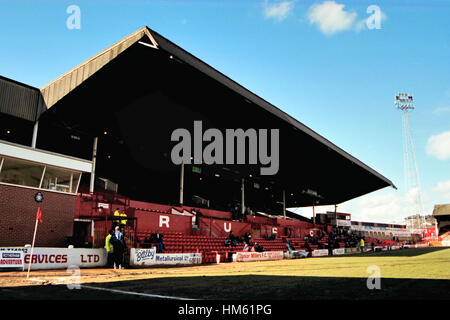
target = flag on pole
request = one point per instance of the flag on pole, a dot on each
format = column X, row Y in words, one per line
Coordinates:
column 38, row 219
column 39, row 215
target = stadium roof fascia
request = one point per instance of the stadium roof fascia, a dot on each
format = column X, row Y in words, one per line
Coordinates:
column 441, row 210
column 57, row 89
column 20, row 100
column 61, row 86
column 19, row 83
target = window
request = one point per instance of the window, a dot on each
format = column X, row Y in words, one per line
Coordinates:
column 40, row 176
column 21, row 172
column 60, row 180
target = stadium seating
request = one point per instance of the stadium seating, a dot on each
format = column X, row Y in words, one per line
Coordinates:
column 208, row 246
column 179, row 243
column 445, row 236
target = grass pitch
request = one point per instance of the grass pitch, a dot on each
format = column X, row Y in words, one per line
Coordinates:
column 405, row 274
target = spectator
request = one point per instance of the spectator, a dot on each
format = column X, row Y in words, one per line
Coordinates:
column 258, row 248
column 227, row 243
column 247, row 237
column 362, row 245
column 246, row 248
column 160, row 246
column 289, row 246
column 118, row 242
column 109, row 249
column 122, row 222
column 307, row 246
column 330, row 248
column 232, row 239
column 117, row 214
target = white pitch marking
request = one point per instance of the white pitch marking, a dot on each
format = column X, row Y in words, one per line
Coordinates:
column 37, row 280
column 136, row 293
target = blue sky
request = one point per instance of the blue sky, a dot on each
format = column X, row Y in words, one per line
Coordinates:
column 316, row 60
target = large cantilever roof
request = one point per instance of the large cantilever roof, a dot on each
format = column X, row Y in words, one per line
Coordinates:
column 330, row 168
column 57, row 89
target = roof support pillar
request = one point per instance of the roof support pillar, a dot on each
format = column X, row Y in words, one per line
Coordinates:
column 314, row 215
column 182, row 184
column 35, row 132
column 94, row 160
column 242, row 197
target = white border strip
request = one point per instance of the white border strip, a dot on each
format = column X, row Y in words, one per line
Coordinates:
column 44, row 157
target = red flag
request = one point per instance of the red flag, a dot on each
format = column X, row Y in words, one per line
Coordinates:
column 39, row 215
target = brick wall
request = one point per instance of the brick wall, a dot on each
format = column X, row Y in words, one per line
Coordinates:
column 18, row 216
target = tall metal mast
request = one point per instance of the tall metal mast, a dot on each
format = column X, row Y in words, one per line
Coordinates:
column 404, row 102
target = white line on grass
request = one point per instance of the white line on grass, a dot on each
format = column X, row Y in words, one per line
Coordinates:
column 135, row 293
column 63, row 280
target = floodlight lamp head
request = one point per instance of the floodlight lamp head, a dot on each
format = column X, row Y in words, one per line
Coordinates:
column 404, row 101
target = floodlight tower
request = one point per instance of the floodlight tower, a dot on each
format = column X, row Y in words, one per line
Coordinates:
column 404, row 102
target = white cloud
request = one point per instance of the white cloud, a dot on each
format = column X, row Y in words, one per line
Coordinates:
column 386, row 208
column 278, row 11
column 331, row 17
column 389, row 208
column 441, row 110
column 443, row 190
column 439, row 146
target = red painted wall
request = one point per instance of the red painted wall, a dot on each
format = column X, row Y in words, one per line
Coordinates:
column 221, row 228
column 152, row 221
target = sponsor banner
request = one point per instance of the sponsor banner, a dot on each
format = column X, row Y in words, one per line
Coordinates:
column 351, row 250
column 149, row 257
column 339, row 251
column 142, row 257
column 378, row 248
column 445, row 243
column 61, row 258
column 259, row 256
column 396, row 247
column 436, row 243
column 396, row 232
column 320, row 253
column 343, row 223
column 11, row 258
column 178, row 258
column 298, row 254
